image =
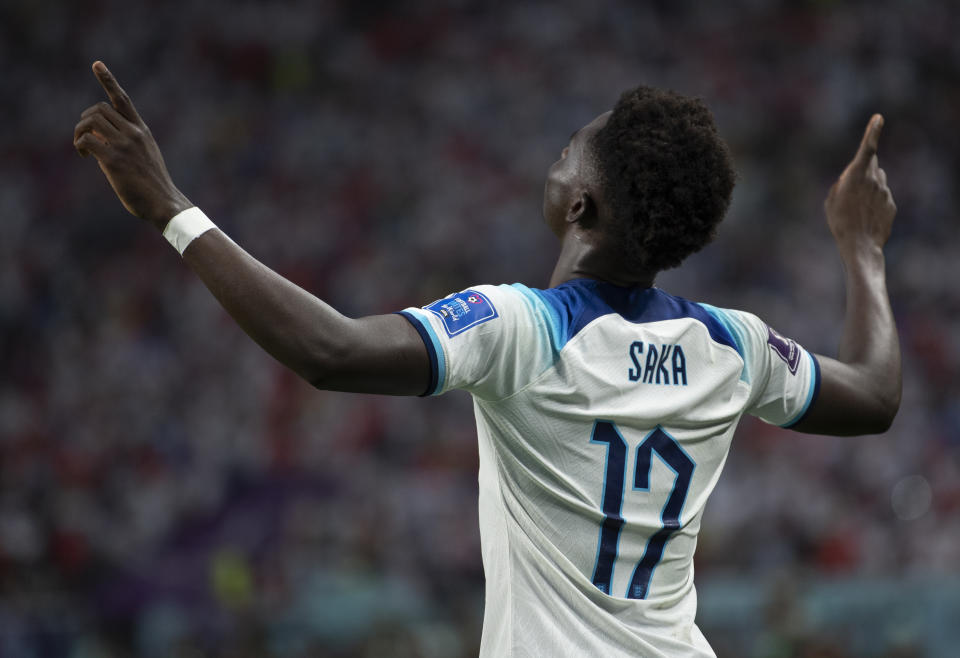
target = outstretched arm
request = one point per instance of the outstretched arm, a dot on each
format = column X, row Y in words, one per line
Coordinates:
column 860, row 389
column 377, row 354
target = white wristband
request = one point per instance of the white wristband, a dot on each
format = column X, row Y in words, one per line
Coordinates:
column 186, row 227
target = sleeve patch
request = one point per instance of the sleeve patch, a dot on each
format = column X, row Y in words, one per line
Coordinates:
column 462, row 311
column 785, row 348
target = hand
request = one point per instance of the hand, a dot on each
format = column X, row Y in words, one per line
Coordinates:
column 859, row 207
column 128, row 155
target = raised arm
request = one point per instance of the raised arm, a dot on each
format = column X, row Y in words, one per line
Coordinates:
column 860, row 389
column 376, row 354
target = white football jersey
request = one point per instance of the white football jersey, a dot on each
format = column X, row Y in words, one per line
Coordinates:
column 604, row 417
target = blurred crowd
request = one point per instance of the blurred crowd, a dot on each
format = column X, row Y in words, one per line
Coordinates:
column 167, row 490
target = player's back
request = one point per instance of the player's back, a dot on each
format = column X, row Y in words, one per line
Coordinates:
column 604, row 416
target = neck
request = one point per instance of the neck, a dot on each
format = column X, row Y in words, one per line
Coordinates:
column 579, row 259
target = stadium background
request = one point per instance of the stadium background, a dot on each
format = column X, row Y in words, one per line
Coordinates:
column 166, row 490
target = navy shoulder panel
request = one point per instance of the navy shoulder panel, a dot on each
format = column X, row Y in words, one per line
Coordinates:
column 577, row 303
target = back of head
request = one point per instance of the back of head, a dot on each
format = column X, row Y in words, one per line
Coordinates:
column 666, row 177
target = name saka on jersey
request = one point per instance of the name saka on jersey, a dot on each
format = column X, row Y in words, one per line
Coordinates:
column 656, row 366
column 604, row 418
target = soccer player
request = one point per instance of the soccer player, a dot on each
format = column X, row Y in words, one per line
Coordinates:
column 605, row 407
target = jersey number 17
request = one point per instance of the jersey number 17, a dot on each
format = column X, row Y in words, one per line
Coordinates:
column 615, row 474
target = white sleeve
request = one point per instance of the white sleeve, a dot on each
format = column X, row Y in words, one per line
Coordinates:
column 489, row 340
column 784, row 378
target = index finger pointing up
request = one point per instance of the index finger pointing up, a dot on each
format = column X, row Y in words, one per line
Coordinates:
column 118, row 97
column 869, row 143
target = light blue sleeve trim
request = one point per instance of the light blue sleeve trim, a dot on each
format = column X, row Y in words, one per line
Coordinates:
column 737, row 330
column 436, row 345
column 812, row 393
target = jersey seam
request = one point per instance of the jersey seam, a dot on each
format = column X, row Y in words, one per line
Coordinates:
column 716, row 313
column 536, row 325
column 547, row 369
column 509, row 552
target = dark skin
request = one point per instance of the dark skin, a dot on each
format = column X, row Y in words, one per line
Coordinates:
column 859, row 391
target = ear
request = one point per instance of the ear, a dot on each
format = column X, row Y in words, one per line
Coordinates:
column 582, row 210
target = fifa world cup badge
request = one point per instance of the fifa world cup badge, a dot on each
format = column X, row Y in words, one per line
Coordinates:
column 462, row 311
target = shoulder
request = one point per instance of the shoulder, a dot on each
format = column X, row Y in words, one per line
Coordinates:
column 466, row 309
column 752, row 333
column 744, row 329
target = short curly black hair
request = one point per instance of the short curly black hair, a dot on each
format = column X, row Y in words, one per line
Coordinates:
column 666, row 175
